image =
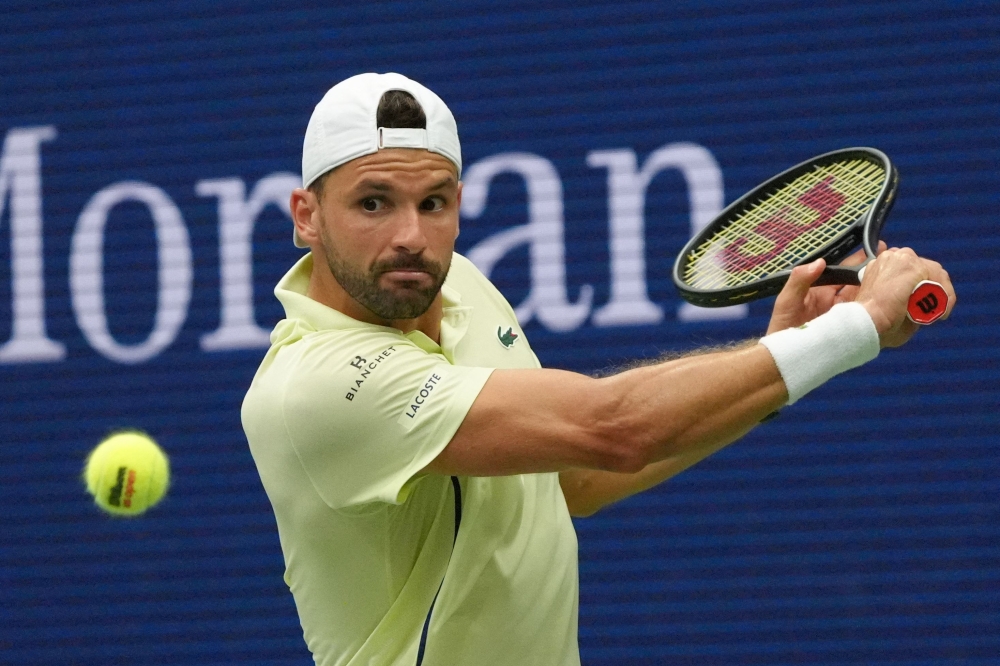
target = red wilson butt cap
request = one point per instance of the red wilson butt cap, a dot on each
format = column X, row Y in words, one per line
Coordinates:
column 927, row 302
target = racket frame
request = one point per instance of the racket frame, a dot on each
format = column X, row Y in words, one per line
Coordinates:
column 865, row 231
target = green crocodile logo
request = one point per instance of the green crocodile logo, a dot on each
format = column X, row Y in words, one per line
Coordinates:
column 506, row 339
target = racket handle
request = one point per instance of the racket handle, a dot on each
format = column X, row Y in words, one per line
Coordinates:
column 927, row 303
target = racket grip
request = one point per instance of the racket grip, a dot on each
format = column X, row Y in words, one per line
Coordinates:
column 927, row 303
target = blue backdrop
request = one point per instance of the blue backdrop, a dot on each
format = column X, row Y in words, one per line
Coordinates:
column 148, row 151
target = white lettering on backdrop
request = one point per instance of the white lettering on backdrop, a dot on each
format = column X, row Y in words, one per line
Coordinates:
column 21, row 182
column 627, row 187
column 86, row 271
column 238, row 327
column 543, row 232
column 547, row 300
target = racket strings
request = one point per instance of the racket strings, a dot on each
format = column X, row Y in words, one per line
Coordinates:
column 786, row 225
column 795, row 231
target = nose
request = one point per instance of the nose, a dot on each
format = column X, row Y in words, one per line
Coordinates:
column 409, row 233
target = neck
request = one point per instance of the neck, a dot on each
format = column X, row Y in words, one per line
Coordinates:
column 324, row 288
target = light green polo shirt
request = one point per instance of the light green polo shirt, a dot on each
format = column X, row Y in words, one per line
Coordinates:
column 341, row 416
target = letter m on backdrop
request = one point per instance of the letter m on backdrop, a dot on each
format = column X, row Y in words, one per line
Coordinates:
column 21, row 198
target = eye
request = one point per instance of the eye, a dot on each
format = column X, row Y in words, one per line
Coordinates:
column 372, row 205
column 432, row 204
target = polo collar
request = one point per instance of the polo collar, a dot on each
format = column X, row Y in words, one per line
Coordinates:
column 299, row 308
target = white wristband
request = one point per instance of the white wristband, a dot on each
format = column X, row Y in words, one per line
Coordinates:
column 807, row 356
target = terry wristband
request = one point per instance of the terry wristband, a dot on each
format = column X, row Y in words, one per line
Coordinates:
column 807, row 356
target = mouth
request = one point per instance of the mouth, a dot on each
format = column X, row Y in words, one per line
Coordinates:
column 407, row 275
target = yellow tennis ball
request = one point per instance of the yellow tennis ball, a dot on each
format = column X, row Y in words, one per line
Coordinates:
column 127, row 473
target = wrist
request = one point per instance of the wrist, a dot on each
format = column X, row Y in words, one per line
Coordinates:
column 881, row 323
column 808, row 356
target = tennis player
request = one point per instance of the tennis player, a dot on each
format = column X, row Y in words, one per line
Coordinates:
column 421, row 465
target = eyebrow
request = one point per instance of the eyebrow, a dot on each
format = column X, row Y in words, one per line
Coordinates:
column 446, row 182
column 382, row 186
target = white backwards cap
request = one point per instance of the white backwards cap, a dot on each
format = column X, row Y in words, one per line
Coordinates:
column 343, row 126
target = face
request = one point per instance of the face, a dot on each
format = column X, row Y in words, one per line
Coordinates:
column 387, row 224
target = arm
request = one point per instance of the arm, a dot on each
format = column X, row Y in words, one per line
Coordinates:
column 645, row 425
column 526, row 421
column 587, row 490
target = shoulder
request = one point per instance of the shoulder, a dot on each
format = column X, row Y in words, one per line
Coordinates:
column 318, row 363
column 328, row 363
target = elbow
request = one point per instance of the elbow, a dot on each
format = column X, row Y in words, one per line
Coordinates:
column 621, row 443
column 625, row 454
column 582, row 511
column 582, row 493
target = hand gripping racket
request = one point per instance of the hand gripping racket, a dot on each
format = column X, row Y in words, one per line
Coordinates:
column 822, row 208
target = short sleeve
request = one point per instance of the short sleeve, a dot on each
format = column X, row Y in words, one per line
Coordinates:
column 364, row 423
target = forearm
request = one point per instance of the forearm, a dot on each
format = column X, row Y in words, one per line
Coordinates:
column 711, row 400
column 587, row 491
column 699, row 401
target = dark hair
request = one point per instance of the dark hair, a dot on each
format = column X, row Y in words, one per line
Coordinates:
column 397, row 108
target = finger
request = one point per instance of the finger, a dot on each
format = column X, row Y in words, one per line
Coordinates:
column 799, row 281
column 846, row 293
column 855, row 258
column 802, row 277
column 937, row 273
column 882, row 247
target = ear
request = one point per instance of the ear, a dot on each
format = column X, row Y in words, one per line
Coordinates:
column 304, row 208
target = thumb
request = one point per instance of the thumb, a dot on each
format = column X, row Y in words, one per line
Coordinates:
column 790, row 307
column 802, row 278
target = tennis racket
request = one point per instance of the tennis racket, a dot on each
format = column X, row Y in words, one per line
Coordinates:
column 822, row 208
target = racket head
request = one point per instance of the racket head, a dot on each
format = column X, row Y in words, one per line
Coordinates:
column 823, row 207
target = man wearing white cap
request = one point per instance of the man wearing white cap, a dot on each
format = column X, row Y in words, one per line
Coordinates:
column 421, row 465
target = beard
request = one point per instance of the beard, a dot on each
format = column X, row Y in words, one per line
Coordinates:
column 406, row 302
